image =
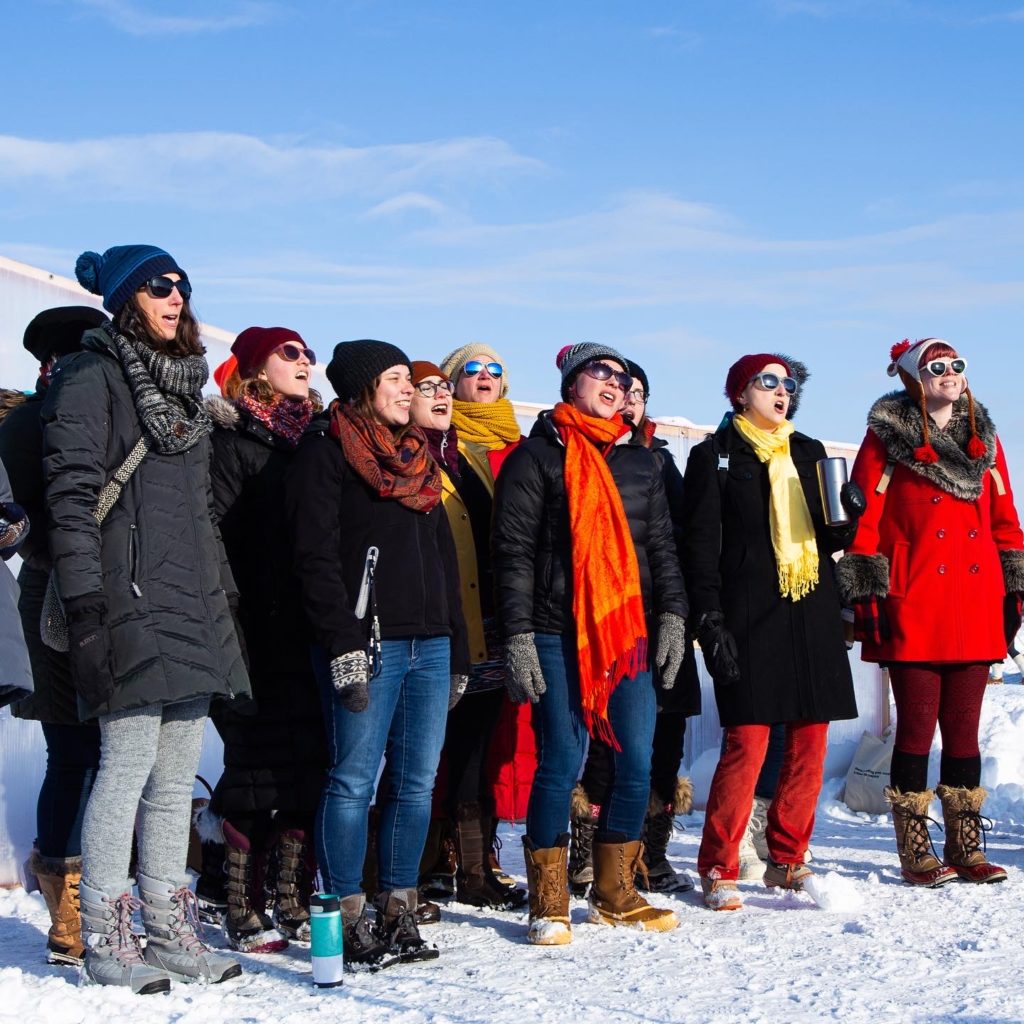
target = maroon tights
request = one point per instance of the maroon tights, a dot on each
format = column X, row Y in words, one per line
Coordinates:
column 949, row 695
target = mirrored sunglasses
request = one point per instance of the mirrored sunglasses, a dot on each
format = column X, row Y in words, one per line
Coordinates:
column 429, row 388
column 161, row 287
column 940, row 367
column 770, row 381
column 290, row 351
column 602, row 371
column 474, row 366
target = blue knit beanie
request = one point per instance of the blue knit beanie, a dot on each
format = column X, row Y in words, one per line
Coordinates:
column 119, row 271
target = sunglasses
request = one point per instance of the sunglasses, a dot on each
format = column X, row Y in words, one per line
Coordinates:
column 429, row 388
column 291, row 352
column 770, row 381
column 161, row 287
column 474, row 366
column 940, row 367
column 602, row 371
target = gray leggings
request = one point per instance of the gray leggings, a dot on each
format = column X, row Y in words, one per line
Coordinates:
column 147, row 769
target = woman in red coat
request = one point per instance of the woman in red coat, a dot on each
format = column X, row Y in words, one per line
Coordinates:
column 938, row 558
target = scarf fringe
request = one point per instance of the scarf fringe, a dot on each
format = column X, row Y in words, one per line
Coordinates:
column 798, row 579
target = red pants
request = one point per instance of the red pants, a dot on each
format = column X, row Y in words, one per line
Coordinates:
column 791, row 815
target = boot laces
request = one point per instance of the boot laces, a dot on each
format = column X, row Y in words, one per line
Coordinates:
column 187, row 924
column 973, row 828
column 549, row 894
column 659, row 830
column 129, row 950
column 919, row 839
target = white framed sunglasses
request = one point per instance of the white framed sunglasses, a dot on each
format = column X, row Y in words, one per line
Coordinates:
column 940, row 367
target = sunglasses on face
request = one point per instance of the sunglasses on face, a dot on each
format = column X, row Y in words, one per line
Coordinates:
column 429, row 388
column 602, row 371
column 770, row 381
column 940, row 367
column 291, row 351
column 161, row 287
column 474, row 366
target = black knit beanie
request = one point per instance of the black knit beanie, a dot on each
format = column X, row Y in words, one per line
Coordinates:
column 572, row 358
column 58, row 331
column 636, row 371
column 357, row 364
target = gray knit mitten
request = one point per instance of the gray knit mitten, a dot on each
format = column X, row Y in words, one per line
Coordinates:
column 524, row 679
column 456, row 688
column 350, row 674
column 668, row 655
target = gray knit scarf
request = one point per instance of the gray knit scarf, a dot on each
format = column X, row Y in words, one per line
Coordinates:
column 167, row 393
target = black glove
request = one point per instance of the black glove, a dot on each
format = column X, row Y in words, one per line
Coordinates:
column 89, row 649
column 456, row 688
column 851, row 497
column 721, row 655
column 350, row 674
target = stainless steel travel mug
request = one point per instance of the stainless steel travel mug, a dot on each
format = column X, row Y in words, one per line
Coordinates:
column 831, row 477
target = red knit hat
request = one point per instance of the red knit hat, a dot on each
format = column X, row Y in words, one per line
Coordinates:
column 745, row 369
column 222, row 374
column 253, row 346
column 422, row 368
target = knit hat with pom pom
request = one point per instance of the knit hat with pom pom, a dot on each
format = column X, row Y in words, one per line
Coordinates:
column 120, row 270
column 572, row 358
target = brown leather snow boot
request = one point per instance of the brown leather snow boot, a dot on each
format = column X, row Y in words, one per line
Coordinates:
column 965, row 834
column 59, row 879
column 918, row 863
column 613, row 896
column 547, row 874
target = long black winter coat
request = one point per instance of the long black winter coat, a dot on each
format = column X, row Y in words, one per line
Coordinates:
column 157, row 558
column 21, row 450
column 275, row 754
column 792, row 656
column 532, row 545
column 333, row 517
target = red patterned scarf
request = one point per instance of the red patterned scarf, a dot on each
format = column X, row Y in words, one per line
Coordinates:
column 284, row 416
column 402, row 470
column 611, row 630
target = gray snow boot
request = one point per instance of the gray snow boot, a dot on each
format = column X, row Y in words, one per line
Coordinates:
column 112, row 953
column 170, row 914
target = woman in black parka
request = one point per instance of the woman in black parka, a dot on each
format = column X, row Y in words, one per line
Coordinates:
column 147, row 600
column 275, row 753
column 757, row 562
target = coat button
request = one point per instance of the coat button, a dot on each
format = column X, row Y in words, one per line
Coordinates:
column 972, row 534
column 936, row 499
column 464, row 516
column 975, row 568
column 940, row 534
column 472, row 586
column 941, row 569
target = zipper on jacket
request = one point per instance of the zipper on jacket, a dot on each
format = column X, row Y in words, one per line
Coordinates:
column 133, row 559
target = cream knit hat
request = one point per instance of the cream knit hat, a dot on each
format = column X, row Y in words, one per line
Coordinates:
column 453, row 363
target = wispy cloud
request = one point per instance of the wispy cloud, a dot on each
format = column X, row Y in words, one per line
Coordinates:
column 681, row 38
column 407, row 202
column 137, row 19
column 231, row 170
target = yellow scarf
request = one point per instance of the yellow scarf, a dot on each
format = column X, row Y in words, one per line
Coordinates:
column 491, row 424
column 796, row 548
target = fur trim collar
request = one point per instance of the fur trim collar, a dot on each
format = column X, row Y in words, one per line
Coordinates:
column 224, row 414
column 896, row 419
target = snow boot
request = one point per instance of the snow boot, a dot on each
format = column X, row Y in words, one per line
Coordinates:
column 583, row 825
column 786, row 876
column 170, row 916
column 438, row 863
column 918, row 863
column 213, row 899
column 547, row 875
column 295, row 870
column 475, row 883
column 965, row 834
column 396, row 924
column 247, row 927
column 363, row 946
column 613, row 896
column 658, row 825
column 720, row 893
column 751, row 867
column 500, row 876
column 58, row 880
column 113, row 955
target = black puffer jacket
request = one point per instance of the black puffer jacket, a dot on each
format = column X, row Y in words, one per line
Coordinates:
column 275, row 753
column 158, row 557
column 333, row 517
column 21, row 451
column 533, row 548
column 792, row 657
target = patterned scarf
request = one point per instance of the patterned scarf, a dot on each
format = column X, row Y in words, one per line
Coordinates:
column 608, row 606
column 168, row 393
column 285, row 416
column 402, row 470
column 489, row 424
column 789, row 520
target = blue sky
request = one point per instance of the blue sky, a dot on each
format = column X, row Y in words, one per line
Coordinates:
column 686, row 181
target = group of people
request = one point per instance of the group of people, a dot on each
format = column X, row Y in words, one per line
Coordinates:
column 361, row 592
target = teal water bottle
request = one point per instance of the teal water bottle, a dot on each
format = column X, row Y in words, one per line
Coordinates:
column 325, row 951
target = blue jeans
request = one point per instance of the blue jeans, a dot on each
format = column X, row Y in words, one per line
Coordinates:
column 72, row 760
column 562, row 744
column 404, row 724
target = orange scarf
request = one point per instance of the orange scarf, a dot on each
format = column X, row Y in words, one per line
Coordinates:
column 607, row 604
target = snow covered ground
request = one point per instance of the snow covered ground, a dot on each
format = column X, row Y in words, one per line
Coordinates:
column 880, row 952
